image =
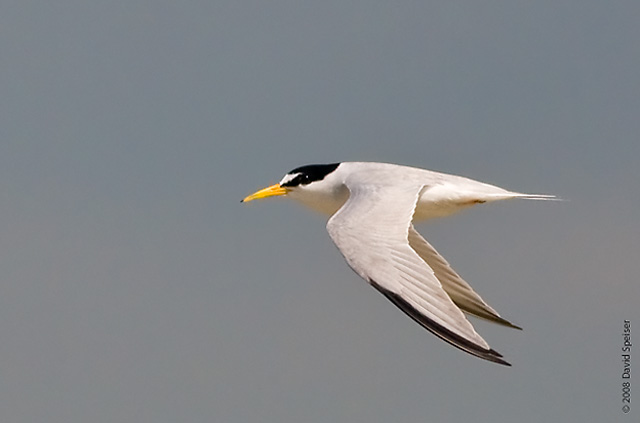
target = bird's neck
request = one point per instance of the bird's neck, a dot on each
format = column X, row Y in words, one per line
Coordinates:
column 326, row 203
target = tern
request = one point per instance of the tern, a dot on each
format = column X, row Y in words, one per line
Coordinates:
column 373, row 207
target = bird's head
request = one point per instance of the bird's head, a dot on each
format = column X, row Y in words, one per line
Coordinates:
column 316, row 186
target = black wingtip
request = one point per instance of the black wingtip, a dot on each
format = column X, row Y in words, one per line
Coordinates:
column 496, row 358
column 440, row 331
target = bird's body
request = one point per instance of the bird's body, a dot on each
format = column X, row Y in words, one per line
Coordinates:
column 372, row 208
column 446, row 194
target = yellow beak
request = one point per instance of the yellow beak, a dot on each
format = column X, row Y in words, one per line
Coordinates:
column 272, row 191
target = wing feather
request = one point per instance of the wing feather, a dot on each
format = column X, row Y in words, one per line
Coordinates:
column 371, row 230
column 460, row 291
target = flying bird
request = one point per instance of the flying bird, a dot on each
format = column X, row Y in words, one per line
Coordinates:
column 373, row 207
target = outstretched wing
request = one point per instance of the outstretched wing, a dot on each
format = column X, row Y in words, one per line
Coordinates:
column 460, row 291
column 371, row 231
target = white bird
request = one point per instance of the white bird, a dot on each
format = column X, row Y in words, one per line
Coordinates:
column 373, row 207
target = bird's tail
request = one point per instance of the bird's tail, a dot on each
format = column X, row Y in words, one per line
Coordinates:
column 545, row 197
column 508, row 195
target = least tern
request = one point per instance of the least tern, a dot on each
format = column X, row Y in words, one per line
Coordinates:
column 373, row 207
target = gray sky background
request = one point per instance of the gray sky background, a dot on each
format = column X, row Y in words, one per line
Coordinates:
column 136, row 288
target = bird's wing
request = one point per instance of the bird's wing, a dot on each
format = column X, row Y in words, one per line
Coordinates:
column 459, row 291
column 371, row 231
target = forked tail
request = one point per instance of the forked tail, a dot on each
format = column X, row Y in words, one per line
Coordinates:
column 545, row 197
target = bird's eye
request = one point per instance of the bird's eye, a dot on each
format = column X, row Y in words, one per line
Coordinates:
column 296, row 181
column 304, row 179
